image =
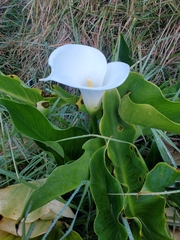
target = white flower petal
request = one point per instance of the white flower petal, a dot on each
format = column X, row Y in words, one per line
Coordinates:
column 92, row 98
column 73, row 64
column 116, row 74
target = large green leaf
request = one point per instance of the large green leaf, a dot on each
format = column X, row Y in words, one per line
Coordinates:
column 130, row 169
column 158, row 179
column 144, row 92
column 149, row 116
column 32, row 123
column 29, row 121
column 64, row 178
column 109, row 207
column 161, row 177
column 14, row 88
column 149, row 213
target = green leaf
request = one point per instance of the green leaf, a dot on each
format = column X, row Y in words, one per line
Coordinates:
column 160, row 177
column 149, row 116
column 144, row 92
column 12, row 87
column 149, row 211
column 16, row 89
column 30, row 122
column 130, row 169
column 109, row 207
column 67, row 97
column 154, row 156
column 55, row 150
column 64, row 178
column 122, row 51
column 175, row 198
column 58, row 232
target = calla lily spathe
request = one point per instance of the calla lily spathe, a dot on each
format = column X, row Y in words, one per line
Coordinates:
column 86, row 68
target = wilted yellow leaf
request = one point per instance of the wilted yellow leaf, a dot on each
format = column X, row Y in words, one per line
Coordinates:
column 8, row 225
column 12, row 202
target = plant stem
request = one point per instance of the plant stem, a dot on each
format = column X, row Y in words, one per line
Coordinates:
column 94, row 129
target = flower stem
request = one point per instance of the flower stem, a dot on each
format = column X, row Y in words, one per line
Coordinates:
column 94, row 128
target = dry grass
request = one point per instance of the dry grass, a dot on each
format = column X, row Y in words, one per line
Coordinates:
column 30, row 30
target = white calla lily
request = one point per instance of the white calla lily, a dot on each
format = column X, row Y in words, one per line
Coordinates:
column 86, row 68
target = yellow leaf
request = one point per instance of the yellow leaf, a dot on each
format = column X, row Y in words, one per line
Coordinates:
column 12, row 202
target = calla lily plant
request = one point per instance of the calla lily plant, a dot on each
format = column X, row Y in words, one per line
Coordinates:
column 86, row 68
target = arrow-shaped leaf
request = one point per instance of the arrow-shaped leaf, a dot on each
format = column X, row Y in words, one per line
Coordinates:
column 109, row 207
